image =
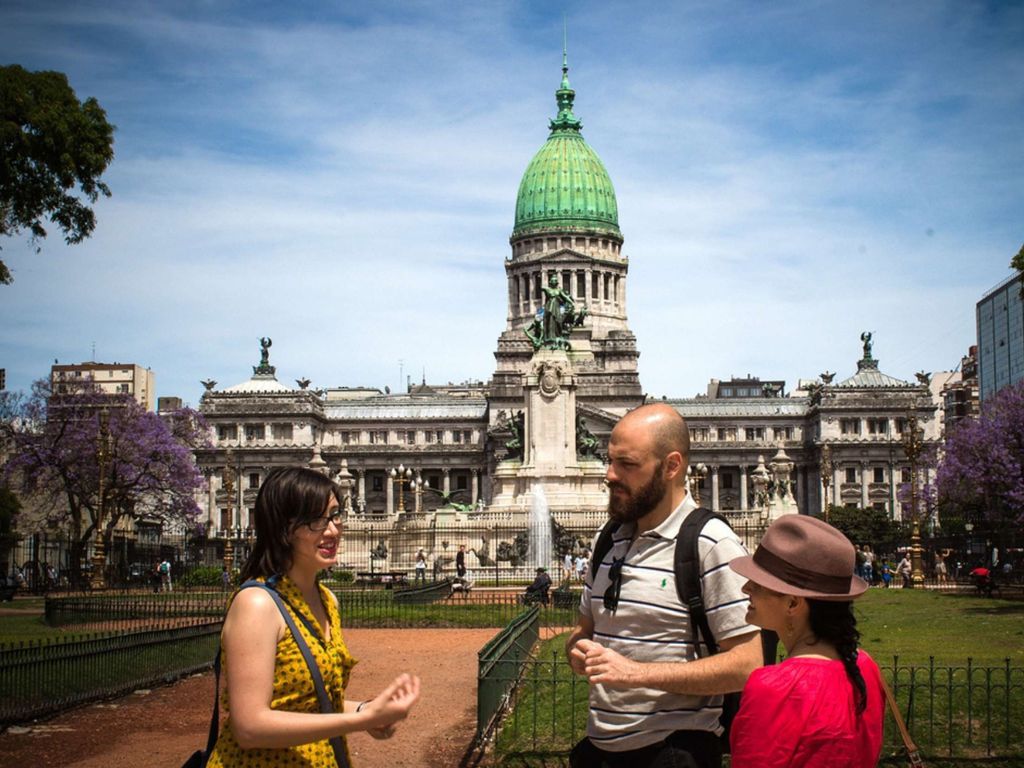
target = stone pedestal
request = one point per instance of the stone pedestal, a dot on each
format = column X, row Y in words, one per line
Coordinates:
column 549, row 457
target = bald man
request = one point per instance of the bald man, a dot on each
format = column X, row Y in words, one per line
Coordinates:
column 653, row 702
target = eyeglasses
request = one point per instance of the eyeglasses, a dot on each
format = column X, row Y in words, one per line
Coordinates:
column 611, row 595
column 320, row 524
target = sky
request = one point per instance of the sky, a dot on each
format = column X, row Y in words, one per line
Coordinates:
column 341, row 178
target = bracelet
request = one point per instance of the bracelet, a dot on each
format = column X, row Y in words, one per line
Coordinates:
column 359, row 707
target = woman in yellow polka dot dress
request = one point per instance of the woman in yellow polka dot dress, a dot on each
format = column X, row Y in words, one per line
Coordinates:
column 274, row 718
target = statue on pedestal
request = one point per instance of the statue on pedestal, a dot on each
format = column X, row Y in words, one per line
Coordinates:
column 551, row 327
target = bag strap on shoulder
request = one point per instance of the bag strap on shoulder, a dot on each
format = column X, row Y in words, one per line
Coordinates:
column 687, row 568
column 605, row 541
column 314, row 669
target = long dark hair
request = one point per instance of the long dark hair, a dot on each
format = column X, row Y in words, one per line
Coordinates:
column 834, row 623
column 288, row 498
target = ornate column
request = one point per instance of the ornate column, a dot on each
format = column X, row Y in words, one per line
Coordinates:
column 743, row 487
column 390, row 489
column 714, row 487
column 446, row 480
column 476, row 486
column 864, row 485
column 361, row 484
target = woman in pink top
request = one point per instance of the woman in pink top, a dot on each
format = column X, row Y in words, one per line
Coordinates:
column 823, row 706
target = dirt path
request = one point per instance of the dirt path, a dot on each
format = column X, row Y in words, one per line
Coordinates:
column 161, row 728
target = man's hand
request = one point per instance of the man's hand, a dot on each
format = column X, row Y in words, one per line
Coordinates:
column 605, row 666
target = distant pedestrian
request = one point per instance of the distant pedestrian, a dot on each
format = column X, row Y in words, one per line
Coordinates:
column 567, row 567
column 165, row 575
column 460, row 561
column 581, row 565
column 940, row 567
column 154, row 577
column 225, row 578
column 903, row 569
column 421, row 568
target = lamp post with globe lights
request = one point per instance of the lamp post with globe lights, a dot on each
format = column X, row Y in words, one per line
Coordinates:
column 913, row 444
column 400, row 476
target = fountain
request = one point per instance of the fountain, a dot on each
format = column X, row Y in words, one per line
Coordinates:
column 540, row 529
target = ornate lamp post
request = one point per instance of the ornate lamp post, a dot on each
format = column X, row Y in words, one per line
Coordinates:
column 228, row 476
column 97, row 578
column 826, row 477
column 913, row 443
column 697, row 473
column 400, row 477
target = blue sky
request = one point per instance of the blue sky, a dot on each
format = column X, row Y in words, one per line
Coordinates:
column 343, row 179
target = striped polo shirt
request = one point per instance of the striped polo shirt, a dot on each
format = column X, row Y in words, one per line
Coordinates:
column 651, row 624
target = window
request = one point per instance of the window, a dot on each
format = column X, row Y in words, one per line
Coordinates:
column 254, row 480
column 467, row 436
column 378, row 437
column 726, row 391
column 461, row 482
column 849, row 426
column 430, row 435
column 456, row 436
column 255, row 432
column 851, row 475
column 377, row 483
column 783, row 433
column 581, row 284
column 699, row 434
column 123, row 389
column 281, row 431
column 755, row 433
column 439, row 434
column 727, row 480
column 225, row 519
column 879, row 475
column 410, row 437
column 901, row 425
column 878, row 426
column 727, row 434
column 227, row 432
column 594, row 278
column 904, row 475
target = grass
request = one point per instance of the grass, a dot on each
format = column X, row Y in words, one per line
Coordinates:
column 964, row 717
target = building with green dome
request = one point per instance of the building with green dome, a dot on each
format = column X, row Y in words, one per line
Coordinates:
column 567, row 225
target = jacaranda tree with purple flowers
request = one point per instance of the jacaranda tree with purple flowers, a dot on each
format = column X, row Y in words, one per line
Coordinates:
column 53, row 439
column 981, row 476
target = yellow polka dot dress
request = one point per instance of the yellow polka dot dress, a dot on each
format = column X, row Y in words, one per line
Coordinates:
column 293, row 688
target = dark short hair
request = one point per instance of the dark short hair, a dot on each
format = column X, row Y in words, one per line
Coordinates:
column 289, row 497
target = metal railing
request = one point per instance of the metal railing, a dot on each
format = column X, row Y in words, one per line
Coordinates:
column 43, row 677
column 500, row 664
column 118, row 610
column 964, row 712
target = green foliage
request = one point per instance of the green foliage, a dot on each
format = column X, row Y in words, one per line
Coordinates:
column 868, row 526
column 203, row 576
column 1017, row 262
column 339, row 577
column 50, row 144
column 10, row 506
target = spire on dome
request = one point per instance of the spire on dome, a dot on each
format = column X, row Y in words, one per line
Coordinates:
column 564, row 96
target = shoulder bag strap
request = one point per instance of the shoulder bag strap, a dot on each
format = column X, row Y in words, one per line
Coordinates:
column 314, row 670
column 687, row 568
column 912, row 751
column 605, row 541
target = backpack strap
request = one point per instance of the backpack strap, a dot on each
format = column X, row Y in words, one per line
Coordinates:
column 687, row 567
column 605, row 540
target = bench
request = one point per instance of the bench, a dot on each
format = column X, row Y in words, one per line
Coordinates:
column 388, row 578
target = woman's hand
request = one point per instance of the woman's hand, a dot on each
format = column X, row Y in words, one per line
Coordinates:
column 391, row 705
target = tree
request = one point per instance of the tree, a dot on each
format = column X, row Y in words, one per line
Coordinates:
column 982, row 471
column 50, row 142
column 1017, row 262
column 9, row 509
column 867, row 526
column 150, row 469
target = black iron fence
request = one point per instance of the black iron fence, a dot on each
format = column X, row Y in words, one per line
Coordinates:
column 43, row 677
column 964, row 712
column 117, row 610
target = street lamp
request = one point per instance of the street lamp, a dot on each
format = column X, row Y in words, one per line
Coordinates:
column 400, row 477
column 913, row 444
column 826, row 477
column 97, row 578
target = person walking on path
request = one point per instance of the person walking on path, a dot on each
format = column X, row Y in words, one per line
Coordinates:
column 823, row 706
column 274, row 717
column 421, row 569
column 653, row 701
column 903, row 569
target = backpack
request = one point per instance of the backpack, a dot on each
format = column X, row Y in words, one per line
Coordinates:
column 164, row 567
column 687, row 569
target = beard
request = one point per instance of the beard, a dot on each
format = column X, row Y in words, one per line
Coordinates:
column 638, row 503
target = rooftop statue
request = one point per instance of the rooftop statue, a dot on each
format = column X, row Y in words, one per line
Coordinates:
column 264, row 367
column 866, row 338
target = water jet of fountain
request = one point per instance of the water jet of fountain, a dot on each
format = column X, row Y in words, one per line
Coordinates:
column 540, row 529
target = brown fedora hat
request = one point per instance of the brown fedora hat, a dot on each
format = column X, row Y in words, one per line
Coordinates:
column 803, row 556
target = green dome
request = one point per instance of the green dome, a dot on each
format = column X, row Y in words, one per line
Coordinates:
column 565, row 186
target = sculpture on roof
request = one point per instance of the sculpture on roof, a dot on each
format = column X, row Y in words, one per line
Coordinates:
column 209, row 384
column 554, row 322
column 924, row 379
column 264, row 368
column 866, row 338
